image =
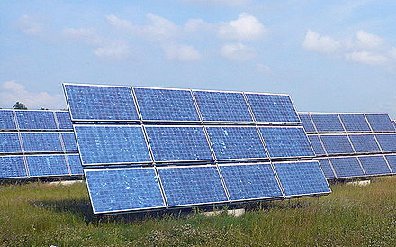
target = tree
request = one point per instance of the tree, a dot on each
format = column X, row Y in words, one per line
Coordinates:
column 20, row 106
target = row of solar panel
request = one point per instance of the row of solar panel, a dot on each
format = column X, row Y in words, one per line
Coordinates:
column 347, row 122
column 108, row 103
column 25, row 166
column 115, row 144
column 127, row 189
column 358, row 166
column 33, row 142
column 352, row 143
column 34, row 120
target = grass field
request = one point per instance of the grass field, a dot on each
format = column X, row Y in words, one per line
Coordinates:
column 37, row 214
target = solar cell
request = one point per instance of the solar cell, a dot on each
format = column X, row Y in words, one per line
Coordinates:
column 7, row 120
column 222, row 106
column 47, row 165
column 374, row 165
column 326, row 168
column 12, row 167
column 337, row 144
column 233, row 143
column 380, row 122
column 387, row 142
column 9, row 143
column 64, row 121
column 101, row 103
column 175, row 143
column 116, row 190
column 272, row 108
column 394, row 124
column 301, row 178
column 196, row 185
column 283, row 142
column 327, row 123
column 355, row 122
column 307, row 122
column 166, row 104
column 347, row 167
column 75, row 164
column 317, row 145
column 41, row 142
column 391, row 158
column 364, row 143
column 35, row 120
column 111, row 144
column 69, row 141
column 250, row 181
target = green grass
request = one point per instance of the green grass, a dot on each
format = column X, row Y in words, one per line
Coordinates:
column 37, row 214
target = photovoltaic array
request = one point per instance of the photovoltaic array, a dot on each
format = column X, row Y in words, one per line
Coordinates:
column 352, row 145
column 37, row 144
column 146, row 148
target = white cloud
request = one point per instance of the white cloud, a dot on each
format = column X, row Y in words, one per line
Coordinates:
column 316, row 42
column 367, row 57
column 237, row 51
column 120, row 23
column 220, row 2
column 264, row 69
column 181, row 52
column 368, row 40
column 246, row 27
column 82, row 34
column 113, row 50
column 29, row 25
column 11, row 92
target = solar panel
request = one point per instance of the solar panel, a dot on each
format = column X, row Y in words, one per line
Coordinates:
column 250, row 181
column 41, row 142
column 69, row 141
column 222, row 106
column 374, row 165
column 391, row 158
column 75, row 164
column 317, row 145
column 355, row 122
column 47, row 165
column 347, row 167
column 380, row 122
column 394, row 124
column 326, row 168
column 387, row 142
column 196, row 185
column 175, row 143
column 307, row 123
column 327, row 123
column 336, row 144
column 64, row 121
column 35, row 120
column 12, row 167
column 364, row 143
column 117, row 190
column 9, row 143
column 111, row 144
column 7, row 120
column 236, row 143
column 283, row 142
column 268, row 108
column 301, row 178
column 166, row 104
column 100, row 103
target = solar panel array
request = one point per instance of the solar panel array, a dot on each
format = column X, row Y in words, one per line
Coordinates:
column 352, row 145
column 146, row 148
column 37, row 144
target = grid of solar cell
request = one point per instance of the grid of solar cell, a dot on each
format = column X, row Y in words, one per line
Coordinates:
column 41, row 142
column 47, row 165
column 64, row 121
column 12, row 167
column 380, row 122
column 317, row 145
column 374, row 165
column 327, row 123
column 307, row 122
column 326, row 168
column 387, row 142
column 355, row 122
column 364, row 143
column 7, row 121
column 69, row 142
column 9, row 143
column 391, row 159
column 336, row 144
column 75, row 164
column 347, row 167
column 35, row 120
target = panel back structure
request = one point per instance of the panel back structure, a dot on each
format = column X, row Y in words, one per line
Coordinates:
column 169, row 148
column 37, row 144
column 351, row 145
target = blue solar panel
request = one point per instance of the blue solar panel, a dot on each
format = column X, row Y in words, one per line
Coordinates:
column 115, row 190
column 166, row 104
column 69, row 140
column 364, row 143
column 101, row 103
column 232, row 143
column 12, row 167
column 307, row 123
column 387, row 142
column 105, row 144
column 336, row 144
column 380, row 122
column 41, row 142
column 326, row 168
column 317, row 145
column 178, row 143
column 47, row 165
column 64, row 121
column 355, row 122
column 192, row 185
column 391, row 161
column 9, row 143
column 35, row 120
column 272, row 108
column 374, row 165
column 394, row 124
column 327, row 122
column 347, row 167
column 222, row 106
column 246, row 182
column 301, row 178
column 7, row 120
column 75, row 164
column 286, row 142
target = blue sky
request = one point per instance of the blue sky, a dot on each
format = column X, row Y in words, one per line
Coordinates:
column 330, row 56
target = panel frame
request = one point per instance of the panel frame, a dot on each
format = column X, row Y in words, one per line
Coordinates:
column 375, row 175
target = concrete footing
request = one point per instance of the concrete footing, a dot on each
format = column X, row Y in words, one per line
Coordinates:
column 65, row 183
column 232, row 212
column 360, row 183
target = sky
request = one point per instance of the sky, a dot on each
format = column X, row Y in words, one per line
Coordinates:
column 330, row 56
